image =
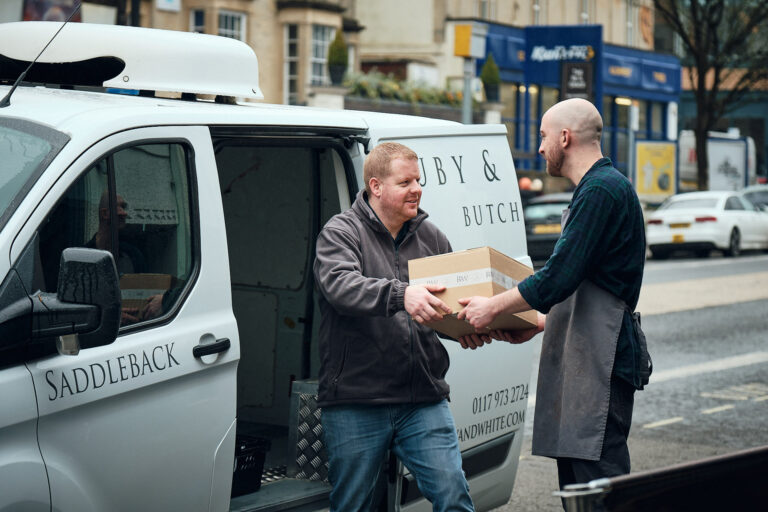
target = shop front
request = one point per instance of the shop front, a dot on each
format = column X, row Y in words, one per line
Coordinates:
column 636, row 91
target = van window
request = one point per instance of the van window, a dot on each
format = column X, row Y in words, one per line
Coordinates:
column 26, row 149
column 146, row 188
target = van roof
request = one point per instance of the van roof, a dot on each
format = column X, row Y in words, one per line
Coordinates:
column 154, row 60
column 76, row 112
column 130, row 58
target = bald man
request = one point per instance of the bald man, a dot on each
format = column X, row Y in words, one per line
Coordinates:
column 593, row 354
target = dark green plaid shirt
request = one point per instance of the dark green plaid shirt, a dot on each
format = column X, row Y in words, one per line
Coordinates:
column 603, row 241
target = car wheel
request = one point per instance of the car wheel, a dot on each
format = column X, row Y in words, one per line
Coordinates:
column 660, row 254
column 702, row 253
column 734, row 245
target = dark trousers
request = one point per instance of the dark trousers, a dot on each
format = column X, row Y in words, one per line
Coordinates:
column 614, row 457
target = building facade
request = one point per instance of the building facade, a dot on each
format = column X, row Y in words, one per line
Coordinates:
column 290, row 37
column 606, row 45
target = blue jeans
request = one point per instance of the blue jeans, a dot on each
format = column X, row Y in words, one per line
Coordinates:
column 423, row 436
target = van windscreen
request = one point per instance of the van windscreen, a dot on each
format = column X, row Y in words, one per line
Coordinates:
column 26, row 149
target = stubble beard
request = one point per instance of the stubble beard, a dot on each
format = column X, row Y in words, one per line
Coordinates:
column 555, row 163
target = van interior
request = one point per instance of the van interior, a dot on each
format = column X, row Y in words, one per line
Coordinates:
column 277, row 194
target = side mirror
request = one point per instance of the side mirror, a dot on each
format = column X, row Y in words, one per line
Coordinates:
column 83, row 313
column 86, row 303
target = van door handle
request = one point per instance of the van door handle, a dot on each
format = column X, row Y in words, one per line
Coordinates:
column 211, row 348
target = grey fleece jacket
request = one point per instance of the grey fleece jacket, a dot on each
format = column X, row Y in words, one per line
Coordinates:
column 371, row 350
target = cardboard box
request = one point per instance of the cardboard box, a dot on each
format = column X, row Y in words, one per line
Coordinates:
column 482, row 271
column 135, row 289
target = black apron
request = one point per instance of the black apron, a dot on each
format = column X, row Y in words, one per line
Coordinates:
column 574, row 383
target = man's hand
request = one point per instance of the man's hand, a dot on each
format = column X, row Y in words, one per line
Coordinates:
column 422, row 305
column 478, row 311
column 154, row 307
column 518, row 337
column 474, row 340
column 129, row 316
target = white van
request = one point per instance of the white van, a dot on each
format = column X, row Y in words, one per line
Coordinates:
column 136, row 391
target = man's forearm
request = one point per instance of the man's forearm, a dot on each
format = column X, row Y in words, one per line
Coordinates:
column 510, row 301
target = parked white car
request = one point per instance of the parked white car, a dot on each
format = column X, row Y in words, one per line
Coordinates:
column 757, row 195
column 702, row 221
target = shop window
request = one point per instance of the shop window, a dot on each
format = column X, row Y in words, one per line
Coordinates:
column 657, row 115
column 232, row 24
column 197, row 21
column 510, row 98
column 291, row 70
column 622, row 145
column 607, row 110
column 609, row 128
column 146, row 188
column 321, row 38
column 534, row 125
column 607, row 139
column 549, row 96
column 642, row 113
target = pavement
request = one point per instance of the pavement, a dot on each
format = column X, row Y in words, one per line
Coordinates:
column 691, row 290
column 700, row 293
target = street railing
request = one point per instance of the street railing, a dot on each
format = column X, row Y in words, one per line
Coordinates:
column 736, row 481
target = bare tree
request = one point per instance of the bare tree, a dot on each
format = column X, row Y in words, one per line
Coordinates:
column 726, row 46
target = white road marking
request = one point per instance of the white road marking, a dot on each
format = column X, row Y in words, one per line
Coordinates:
column 711, row 262
column 718, row 409
column 661, row 423
column 724, row 395
column 726, row 363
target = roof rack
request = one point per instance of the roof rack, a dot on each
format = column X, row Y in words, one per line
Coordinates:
column 137, row 58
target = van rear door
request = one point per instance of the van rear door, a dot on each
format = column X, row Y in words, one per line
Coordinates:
column 470, row 192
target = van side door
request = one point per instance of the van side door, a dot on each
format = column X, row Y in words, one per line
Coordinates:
column 147, row 422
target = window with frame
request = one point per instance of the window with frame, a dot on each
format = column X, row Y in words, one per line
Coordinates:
column 510, row 96
column 539, row 12
column 486, row 9
column 642, row 120
column 232, row 24
column 657, row 120
column 197, row 21
column 322, row 36
column 733, row 203
column 291, row 59
column 146, row 188
column 585, row 11
column 631, row 22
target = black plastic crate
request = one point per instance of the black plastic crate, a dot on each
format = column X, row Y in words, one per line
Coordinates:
column 249, row 464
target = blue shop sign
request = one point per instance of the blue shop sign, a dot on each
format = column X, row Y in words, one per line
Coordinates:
column 661, row 76
column 641, row 74
column 622, row 70
column 547, row 47
column 507, row 44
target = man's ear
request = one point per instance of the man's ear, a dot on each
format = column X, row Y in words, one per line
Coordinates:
column 375, row 185
column 565, row 137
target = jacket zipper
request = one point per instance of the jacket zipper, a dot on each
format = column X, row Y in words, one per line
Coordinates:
column 408, row 319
